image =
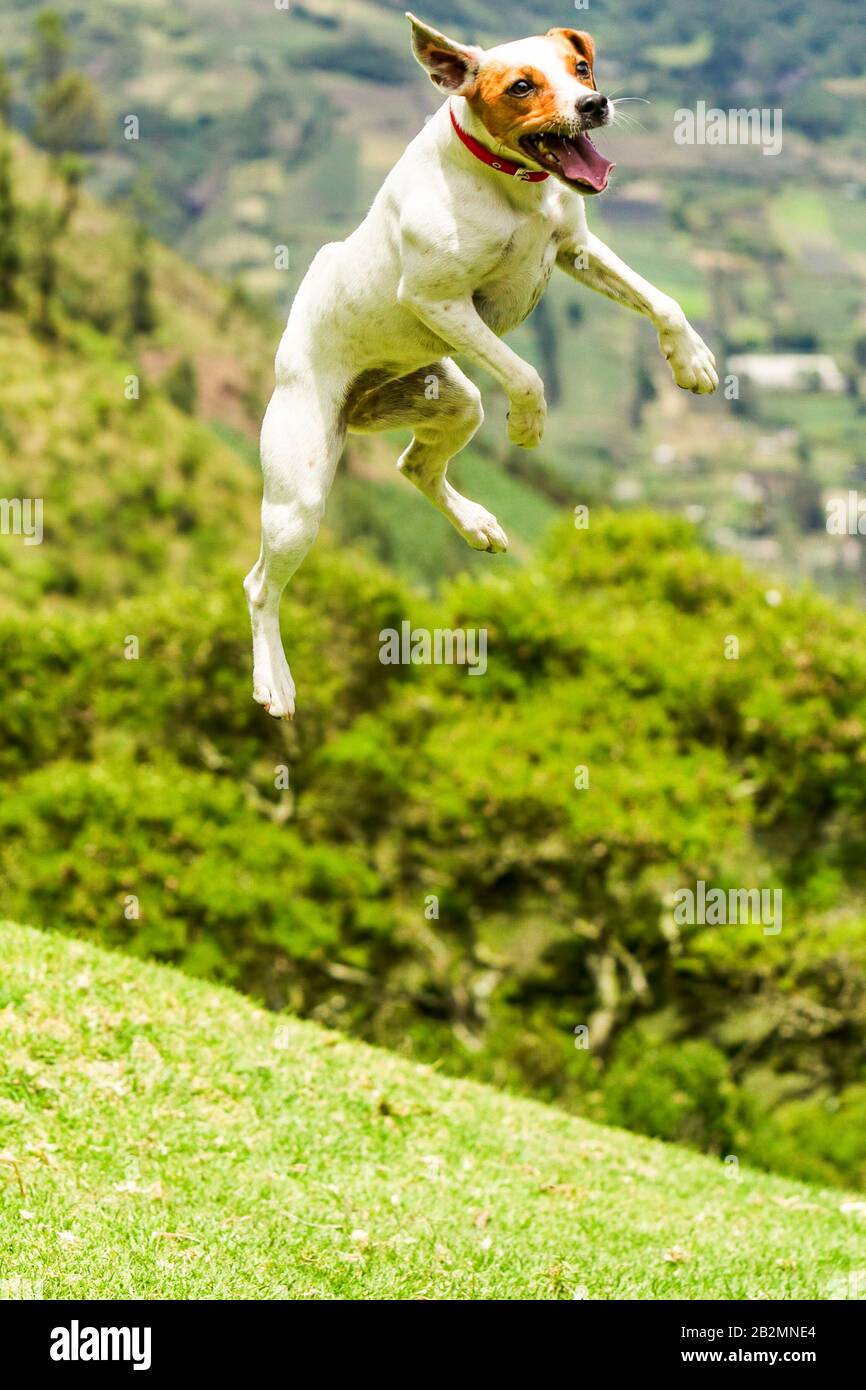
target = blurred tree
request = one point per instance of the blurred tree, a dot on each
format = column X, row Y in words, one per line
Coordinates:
column 6, row 91
column 643, row 389
column 544, row 325
column 141, row 314
column 45, row 226
column 50, row 47
column 806, row 492
column 181, row 386
column 70, row 110
column 72, row 169
column 71, row 115
column 10, row 256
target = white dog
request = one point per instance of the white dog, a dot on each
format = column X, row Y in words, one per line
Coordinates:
column 456, row 250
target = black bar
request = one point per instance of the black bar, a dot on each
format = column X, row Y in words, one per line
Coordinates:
column 265, row 1338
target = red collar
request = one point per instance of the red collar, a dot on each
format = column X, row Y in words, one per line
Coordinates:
column 505, row 166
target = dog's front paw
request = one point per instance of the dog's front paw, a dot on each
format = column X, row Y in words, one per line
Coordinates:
column 526, row 421
column 692, row 364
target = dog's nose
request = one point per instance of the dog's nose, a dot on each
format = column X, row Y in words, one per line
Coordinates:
column 593, row 106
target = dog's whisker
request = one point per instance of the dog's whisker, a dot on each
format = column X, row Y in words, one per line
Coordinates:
column 628, row 128
column 624, row 119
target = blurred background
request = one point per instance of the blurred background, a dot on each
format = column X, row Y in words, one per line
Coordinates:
column 417, row 859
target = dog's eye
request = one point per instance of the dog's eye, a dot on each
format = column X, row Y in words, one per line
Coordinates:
column 583, row 69
column 521, row 88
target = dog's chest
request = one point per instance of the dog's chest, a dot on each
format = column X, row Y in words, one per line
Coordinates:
column 513, row 288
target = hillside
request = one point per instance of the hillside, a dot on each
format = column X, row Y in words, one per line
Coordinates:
column 237, row 105
column 164, row 1139
column 141, row 439
column 137, row 477
column 469, row 871
column 265, row 128
column 158, row 779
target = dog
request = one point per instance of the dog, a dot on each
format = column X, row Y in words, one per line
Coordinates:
column 456, row 251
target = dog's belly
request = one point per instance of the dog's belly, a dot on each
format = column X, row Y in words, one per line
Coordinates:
column 505, row 306
column 509, row 296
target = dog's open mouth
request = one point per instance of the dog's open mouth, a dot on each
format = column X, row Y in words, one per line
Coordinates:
column 573, row 157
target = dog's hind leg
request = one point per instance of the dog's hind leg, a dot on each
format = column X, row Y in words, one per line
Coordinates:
column 302, row 438
column 443, row 408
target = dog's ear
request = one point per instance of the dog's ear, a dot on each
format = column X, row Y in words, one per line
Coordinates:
column 578, row 39
column 450, row 65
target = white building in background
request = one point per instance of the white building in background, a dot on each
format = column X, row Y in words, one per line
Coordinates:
column 788, row 371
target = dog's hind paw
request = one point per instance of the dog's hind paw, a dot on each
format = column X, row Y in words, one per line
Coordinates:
column 478, row 527
column 276, row 695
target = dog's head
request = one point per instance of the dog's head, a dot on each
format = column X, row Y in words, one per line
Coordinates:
column 537, row 98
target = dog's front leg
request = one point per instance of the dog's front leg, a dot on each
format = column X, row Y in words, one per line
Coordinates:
column 458, row 323
column 592, row 263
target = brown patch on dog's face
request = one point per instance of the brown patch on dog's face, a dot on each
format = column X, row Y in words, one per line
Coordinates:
column 557, row 82
column 536, row 98
column 505, row 114
column 582, row 43
column 539, row 87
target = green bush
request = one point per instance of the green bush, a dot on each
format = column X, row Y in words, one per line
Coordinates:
column 433, row 877
column 677, row 1091
column 186, row 867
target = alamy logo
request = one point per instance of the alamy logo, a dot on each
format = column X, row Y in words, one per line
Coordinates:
column 713, row 907
column 76, row 1343
column 22, row 516
column 739, row 126
column 846, row 516
column 422, row 646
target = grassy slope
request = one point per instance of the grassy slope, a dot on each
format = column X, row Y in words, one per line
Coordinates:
column 162, row 1138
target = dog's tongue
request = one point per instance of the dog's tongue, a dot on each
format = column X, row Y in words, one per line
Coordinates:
column 580, row 160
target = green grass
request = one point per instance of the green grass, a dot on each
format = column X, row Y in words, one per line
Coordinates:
column 800, row 215
column 162, row 1138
